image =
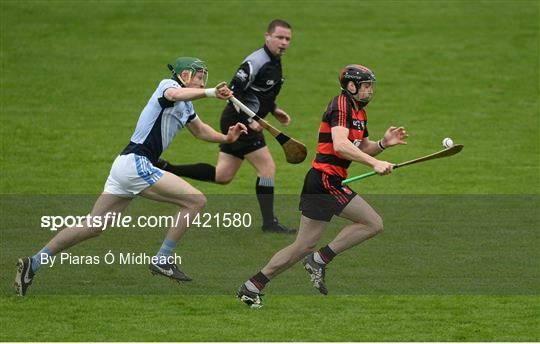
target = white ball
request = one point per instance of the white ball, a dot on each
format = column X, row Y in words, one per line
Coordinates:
column 447, row 142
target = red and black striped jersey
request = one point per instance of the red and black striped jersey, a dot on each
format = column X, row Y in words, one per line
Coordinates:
column 341, row 111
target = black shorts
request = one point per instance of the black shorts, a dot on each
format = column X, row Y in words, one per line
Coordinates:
column 246, row 143
column 323, row 196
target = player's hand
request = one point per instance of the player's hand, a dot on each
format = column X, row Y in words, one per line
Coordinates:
column 255, row 126
column 383, row 167
column 223, row 92
column 235, row 131
column 395, row 136
column 282, row 116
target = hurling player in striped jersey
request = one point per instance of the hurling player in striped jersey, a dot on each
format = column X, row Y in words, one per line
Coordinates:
column 343, row 138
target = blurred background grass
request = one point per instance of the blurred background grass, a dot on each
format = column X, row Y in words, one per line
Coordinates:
column 75, row 76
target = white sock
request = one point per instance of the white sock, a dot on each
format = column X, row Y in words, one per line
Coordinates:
column 317, row 258
column 251, row 287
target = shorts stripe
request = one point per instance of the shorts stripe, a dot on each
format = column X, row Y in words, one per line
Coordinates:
column 340, row 198
column 146, row 170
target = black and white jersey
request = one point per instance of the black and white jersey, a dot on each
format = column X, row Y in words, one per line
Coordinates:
column 258, row 81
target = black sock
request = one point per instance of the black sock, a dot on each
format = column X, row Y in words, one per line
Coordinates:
column 326, row 254
column 259, row 280
column 265, row 196
column 204, row 172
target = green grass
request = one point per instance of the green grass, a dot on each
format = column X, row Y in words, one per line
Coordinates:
column 74, row 77
column 286, row 318
column 464, row 69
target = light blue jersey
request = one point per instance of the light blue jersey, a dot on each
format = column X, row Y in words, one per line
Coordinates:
column 159, row 122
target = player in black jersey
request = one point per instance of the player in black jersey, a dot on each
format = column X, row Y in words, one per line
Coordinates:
column 257, row 84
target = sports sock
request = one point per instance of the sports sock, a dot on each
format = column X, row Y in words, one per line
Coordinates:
column 36, row 259
column 257, row 282
column 265, row 195
column 204, row 172
column 324, row 255
column 166, row 248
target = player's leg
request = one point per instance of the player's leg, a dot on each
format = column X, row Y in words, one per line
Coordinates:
column 226, row 168
column 366, row 224
column 317, row 208
column 309, row 233
column 223, row 173
column 262, row 161
column 172, row 189
column 199, row 171
column 70, row 236
column 27, row 267
column 323, row 196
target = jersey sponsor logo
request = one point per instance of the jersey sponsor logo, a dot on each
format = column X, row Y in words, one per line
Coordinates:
column 358, row 124
column 242, row 75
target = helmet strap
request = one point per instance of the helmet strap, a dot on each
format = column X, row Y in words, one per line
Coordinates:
column 185, row 82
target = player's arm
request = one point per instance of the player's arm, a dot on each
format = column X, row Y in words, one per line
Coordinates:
column 372, row 148
column 186, row 93
column 281, row 116
column 241, row 81
column 348, row 151
column 243, row 77
column 204, row 132
column 392, row 137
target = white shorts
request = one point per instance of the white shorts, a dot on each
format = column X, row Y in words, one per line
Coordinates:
column 130, row 174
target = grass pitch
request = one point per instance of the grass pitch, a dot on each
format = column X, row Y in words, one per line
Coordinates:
column 456, row 267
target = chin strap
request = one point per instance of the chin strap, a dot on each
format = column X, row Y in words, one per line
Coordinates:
column 358, row 104
column 178, row 78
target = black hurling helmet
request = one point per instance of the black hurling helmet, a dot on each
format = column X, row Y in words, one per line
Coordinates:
column 358, row 74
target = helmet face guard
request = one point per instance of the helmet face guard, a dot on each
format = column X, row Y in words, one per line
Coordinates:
column 190, row 64
column 371, row 90
column 359, row 75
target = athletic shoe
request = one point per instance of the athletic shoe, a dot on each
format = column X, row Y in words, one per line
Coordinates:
column 276, row 227
column 161, row 163
column 169, row 270
column 250, row 298
column 316, row 272
column 24, row 276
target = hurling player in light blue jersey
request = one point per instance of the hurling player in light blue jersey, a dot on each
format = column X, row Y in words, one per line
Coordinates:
column 133, row 172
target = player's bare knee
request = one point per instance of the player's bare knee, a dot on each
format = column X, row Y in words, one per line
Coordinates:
column 376, row 225
column 224, row 179
column 197, row 202
column 270, row 171
column 267, row 170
